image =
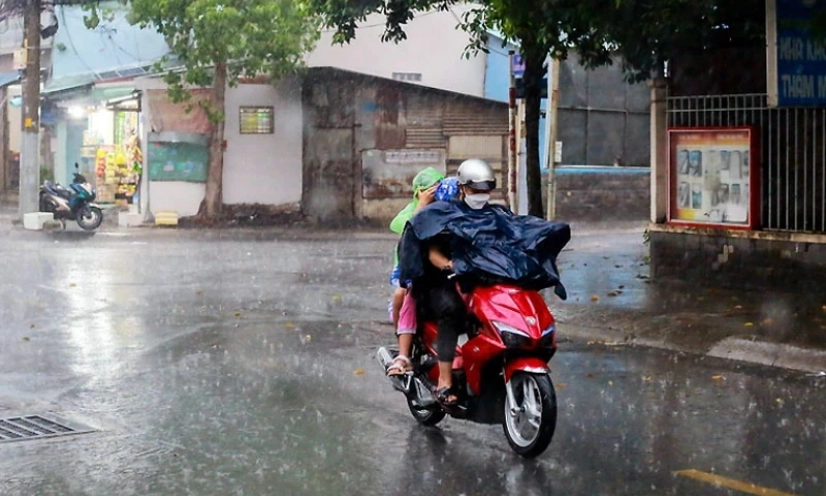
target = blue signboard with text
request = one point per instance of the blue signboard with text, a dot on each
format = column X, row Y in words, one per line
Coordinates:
column 799, row 77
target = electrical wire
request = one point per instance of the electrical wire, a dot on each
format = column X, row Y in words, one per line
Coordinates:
column 72, row 44
column 375, row 25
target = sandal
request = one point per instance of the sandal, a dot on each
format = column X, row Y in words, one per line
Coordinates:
column 446, row 397
column 401, row 365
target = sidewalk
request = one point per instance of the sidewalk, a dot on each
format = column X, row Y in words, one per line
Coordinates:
column 8, row 214
column 9, row 217
column 612, row 300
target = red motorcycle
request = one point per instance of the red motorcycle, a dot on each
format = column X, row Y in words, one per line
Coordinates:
column 501, row 371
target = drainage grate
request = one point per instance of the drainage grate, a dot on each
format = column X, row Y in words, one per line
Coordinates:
column 35, row 427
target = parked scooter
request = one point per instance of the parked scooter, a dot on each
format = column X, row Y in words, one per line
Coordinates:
column 501, row 373
column 72, row 203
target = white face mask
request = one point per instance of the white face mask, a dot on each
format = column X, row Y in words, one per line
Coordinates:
column 477, row 200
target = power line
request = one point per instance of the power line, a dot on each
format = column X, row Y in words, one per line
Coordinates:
column 367, row 26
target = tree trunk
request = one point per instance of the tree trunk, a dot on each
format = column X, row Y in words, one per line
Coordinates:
column 534, row 72
column 214, row 197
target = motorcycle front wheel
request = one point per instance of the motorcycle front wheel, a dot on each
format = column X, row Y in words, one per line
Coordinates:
column 89, row 218
column 530, row 424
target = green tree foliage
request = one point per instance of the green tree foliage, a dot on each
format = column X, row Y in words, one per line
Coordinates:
column 215, row 42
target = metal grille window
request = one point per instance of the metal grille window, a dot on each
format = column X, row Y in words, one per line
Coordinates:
column 408, row 76
column 256, row 120
column 792, row 148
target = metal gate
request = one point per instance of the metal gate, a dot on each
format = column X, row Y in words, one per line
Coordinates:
column 792, row 148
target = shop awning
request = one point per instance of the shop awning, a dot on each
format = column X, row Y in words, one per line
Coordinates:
column 105, row 93
column 7, row 78
column 68, row 86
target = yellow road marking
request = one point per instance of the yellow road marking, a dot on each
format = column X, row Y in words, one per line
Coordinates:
column 734, row 484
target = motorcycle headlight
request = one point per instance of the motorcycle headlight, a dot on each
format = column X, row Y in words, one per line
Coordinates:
column 511, row 336
column 548, row 339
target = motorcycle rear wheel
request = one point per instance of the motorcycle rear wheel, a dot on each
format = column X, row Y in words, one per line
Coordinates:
column 530, row 430
column 89, row 218
column 429, row 415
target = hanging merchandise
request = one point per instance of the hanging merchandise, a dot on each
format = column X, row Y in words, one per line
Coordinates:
column 132, row 167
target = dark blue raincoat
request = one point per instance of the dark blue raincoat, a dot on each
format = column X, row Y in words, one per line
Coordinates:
column 487, row 244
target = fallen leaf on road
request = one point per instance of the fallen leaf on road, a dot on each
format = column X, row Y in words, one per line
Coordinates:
column 289, row 325
column 646, row 378
column 73, row 285
column 199, row 293
column 594, row 298
column 26, row 338
column 237, row 314
column 31, row 326
column 779, row 401
column 616, row 292
column 738, row 307
column 560, row 386
column 308, row 338
column 717, row 377
column 359, row 371
column 336, row 298
column 749, row 324
column 610, row 383
column 768, row 321
column 590, row 376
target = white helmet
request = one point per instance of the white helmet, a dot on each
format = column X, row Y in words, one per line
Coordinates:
column 477, row 174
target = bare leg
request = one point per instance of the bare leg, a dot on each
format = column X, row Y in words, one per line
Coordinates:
column 405, row 344
column 398, row 299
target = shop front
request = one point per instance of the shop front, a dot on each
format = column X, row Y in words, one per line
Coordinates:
column 99, row 132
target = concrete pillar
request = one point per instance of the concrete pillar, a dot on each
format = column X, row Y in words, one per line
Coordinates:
column 659, row 150
column 4, row 140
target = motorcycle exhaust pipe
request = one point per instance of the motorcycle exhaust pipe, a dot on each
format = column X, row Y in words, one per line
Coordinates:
column 385, row 359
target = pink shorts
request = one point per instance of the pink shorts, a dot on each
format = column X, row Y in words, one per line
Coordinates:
column 407, row 316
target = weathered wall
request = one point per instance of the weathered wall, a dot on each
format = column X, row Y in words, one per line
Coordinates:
column 600, row 194
column 738, row 262
column 602, row 119
column 365, row 138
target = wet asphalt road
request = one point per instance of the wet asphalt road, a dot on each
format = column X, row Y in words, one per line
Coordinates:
column 241, row 364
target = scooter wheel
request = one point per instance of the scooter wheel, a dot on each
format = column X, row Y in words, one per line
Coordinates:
column 428, row 415
column 530, row 424
column 89, row 218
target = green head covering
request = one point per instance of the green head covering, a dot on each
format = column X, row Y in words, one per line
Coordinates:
column 424, row 179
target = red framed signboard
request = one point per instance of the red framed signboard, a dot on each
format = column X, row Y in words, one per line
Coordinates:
column 714, row 177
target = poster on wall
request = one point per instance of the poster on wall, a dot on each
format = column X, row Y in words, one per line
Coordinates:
column 713, row 178
column 177, row 157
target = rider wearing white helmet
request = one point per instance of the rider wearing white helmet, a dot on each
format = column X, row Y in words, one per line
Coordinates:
column 439, row 295
column 477, row 180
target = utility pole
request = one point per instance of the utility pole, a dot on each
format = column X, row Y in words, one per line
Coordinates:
column 552, row 118
column 30, row 156
column 512, row 178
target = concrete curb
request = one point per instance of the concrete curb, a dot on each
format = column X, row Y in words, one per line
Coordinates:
column 747, row 351
column 771, row 354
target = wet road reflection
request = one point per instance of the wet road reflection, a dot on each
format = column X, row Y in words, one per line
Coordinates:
column 244, row 366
